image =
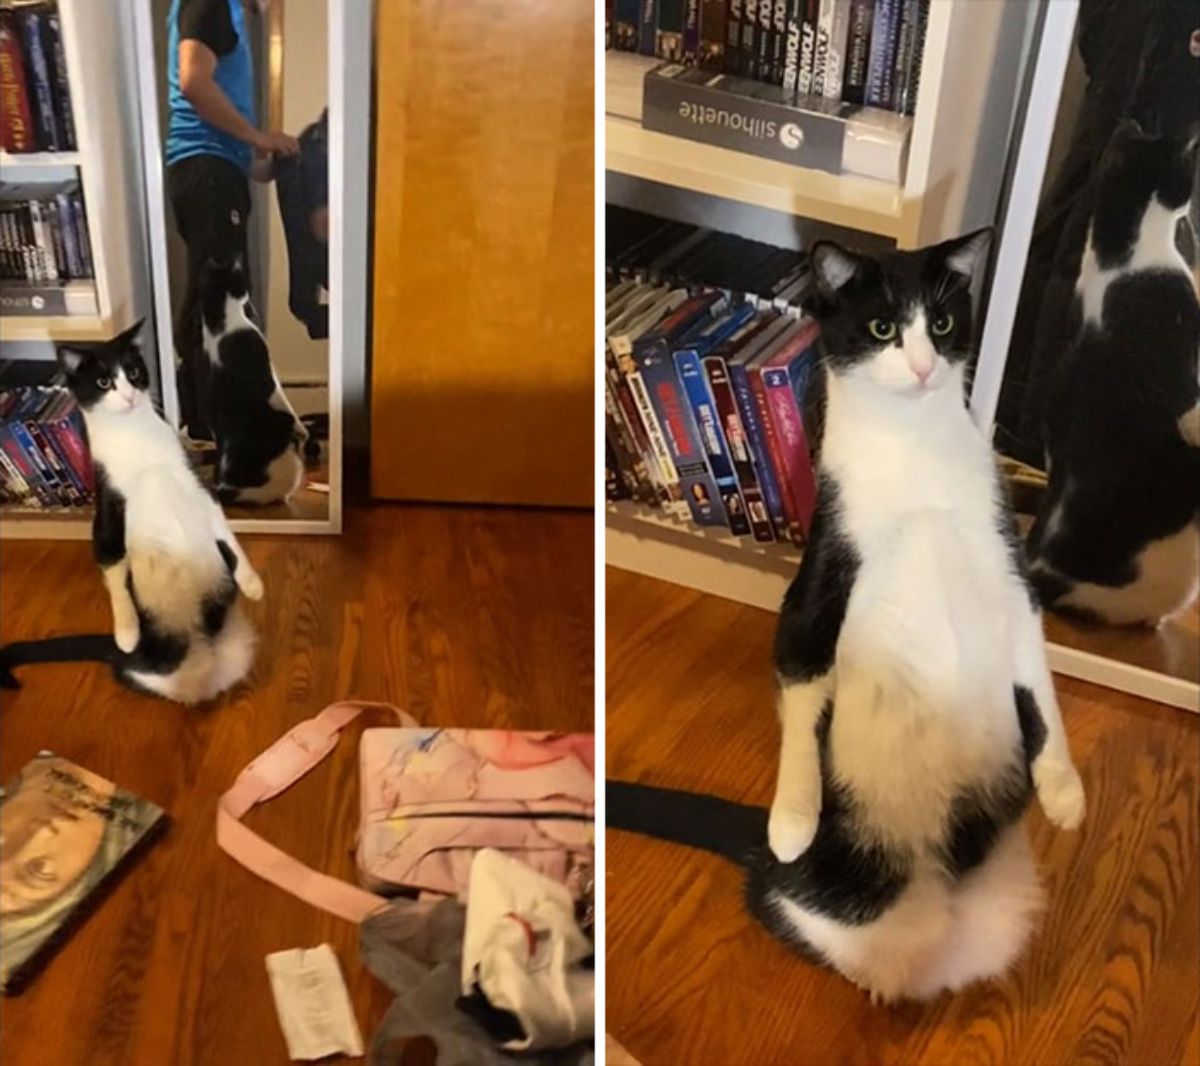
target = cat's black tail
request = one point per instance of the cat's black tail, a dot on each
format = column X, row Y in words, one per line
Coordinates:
column 731, row 830
column 92, row 647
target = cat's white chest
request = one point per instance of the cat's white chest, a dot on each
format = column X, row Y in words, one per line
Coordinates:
column 928, row 617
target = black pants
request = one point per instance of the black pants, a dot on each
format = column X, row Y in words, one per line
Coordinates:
column 211, row 200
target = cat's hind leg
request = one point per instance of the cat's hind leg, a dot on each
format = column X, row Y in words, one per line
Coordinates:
column 993, row 912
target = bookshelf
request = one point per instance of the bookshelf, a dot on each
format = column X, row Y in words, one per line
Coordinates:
column 980, row 139
column 98, row 49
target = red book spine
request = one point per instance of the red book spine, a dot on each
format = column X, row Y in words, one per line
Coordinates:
column 790, row 510
column 17, row 127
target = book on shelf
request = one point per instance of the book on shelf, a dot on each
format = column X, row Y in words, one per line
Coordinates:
column 707, row 391
column 859, row 52
column 689, row 370
column 38, row 115
column 69, row 833
column 45, row 260
column 44, row 461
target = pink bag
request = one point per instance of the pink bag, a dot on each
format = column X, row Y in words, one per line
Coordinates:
column 430, row 799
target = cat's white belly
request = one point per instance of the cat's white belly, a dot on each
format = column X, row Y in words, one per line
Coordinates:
column 924, row 697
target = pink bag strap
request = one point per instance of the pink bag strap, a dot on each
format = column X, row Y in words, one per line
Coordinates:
column 275, row 771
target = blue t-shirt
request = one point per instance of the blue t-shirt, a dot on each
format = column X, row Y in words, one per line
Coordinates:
column 220, row 24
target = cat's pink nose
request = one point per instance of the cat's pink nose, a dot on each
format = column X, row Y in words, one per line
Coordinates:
column 922, row 371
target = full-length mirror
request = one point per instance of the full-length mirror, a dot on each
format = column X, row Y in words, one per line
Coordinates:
column 241, row 89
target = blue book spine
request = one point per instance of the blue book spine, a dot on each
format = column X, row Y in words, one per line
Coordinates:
column 648, row 28
column 679, row 429
column 66, row 223
column 61, row 89
column 627, row 25
column 42, row 97
column 28, row 470
column 38, row 461
column 763, row 467
column 885, row 37
column 708, row 424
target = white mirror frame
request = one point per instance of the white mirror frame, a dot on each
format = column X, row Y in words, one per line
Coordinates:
column 349, row 29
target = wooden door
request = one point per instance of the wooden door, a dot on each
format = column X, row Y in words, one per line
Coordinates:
column 482, row 348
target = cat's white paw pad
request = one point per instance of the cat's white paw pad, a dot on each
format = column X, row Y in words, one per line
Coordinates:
column 250, row 584
column 790, row 831
column 126, row 637
column 1060, row 791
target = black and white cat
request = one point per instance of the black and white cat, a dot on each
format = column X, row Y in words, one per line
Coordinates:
column 916, row 704
column 259, row 438
column 170, row 562
column 1118, row 533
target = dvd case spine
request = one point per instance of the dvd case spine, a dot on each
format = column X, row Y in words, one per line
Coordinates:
column 703, row 413
column 882, row 63
column 808, row 45
column 733, row 436
column 755, row 433
column 835, row 59
column 714, row 15
column 734, row 63
column 671, row 410
column 779, row 386
column 858, row 51
column 669, row 38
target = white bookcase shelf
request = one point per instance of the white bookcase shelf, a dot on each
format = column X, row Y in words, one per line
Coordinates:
column 837, row 199
column 101, row 74
column 12, row 164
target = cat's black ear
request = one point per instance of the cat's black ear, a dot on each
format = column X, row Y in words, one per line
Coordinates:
column 965, row 255
column 832, row 266
column 70, row 359
column 129, row 338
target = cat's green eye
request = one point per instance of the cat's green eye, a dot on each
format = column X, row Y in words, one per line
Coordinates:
column 942, row 325
column 882, row 329
column 103, row 383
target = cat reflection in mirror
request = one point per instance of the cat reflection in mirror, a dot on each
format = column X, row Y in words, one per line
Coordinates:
column 260, row 440
column 1118, row 533
column 917, row 709
column 170, row 562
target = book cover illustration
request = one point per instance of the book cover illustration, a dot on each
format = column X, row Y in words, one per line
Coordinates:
column 64, row 834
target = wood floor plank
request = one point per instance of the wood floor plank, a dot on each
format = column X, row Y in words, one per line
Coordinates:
column 1113, row 975
column 469, row 616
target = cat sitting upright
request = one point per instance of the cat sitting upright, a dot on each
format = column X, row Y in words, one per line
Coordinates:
column 1118, row 533
column 917, row 708
column 259, row 438
column 170, row 562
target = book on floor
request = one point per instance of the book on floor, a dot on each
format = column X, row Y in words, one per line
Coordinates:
column 65, row 835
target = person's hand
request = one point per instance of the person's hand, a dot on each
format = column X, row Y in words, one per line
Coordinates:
column 276, row 142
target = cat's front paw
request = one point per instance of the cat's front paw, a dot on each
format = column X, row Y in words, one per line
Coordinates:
column 790, row 831
column 127, row 636
column 1060, row 791
column 249, row 582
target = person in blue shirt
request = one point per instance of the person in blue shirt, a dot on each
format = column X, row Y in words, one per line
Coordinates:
column 213, row 148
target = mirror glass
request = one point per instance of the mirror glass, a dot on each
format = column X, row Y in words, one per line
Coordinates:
column 1098, row 418
column 242, row 92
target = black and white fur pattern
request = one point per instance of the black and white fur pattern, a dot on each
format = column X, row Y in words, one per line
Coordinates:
column 916, row 705
column 170, row 562
column 259, row 438
column 1118, row 535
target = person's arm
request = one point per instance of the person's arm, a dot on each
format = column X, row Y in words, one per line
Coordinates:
column 197, row 65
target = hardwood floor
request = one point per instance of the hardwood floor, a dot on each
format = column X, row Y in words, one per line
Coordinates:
column 467, row 616
column 1113, row 976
